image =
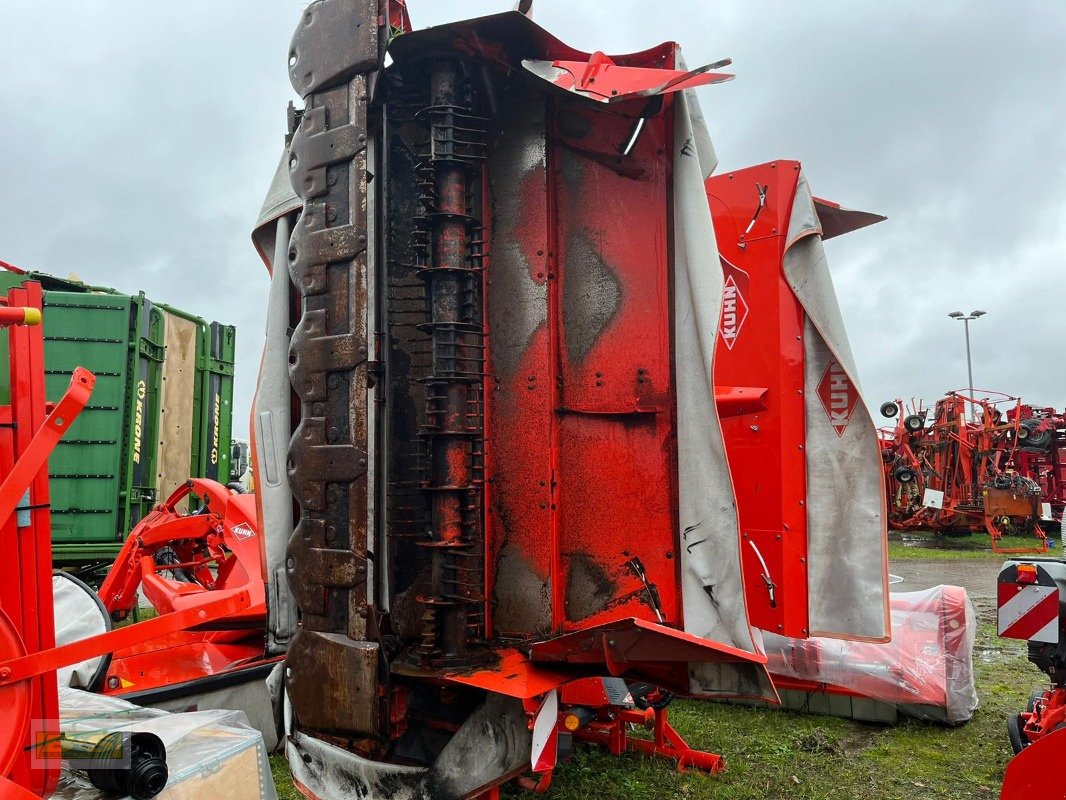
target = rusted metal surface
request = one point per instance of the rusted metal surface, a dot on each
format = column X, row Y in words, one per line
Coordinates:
column 453, row 617
column 338, row 682
column 333, row 669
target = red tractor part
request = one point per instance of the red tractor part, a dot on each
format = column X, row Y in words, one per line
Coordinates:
column 777, row 334
column 1033, row 772
column 1030, row 600
column 214, row 548
column 182, row 559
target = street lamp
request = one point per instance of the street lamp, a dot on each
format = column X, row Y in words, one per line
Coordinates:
column 969, row 361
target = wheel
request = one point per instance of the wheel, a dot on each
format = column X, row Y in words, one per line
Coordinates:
column 904, row 474
column 889, row 410
column 913, row 423
column 14, row 699
column 1018, row 742
column 80, row 613
column 1039, row 438
column 1023, row 433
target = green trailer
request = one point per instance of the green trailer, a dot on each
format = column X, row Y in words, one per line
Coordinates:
column 161, row 411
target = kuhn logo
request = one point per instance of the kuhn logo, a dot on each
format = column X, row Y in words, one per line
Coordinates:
column 243, row 531
column 734, row 306
column 838, row 396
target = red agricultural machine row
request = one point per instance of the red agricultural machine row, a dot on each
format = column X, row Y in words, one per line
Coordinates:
column 980, row 462
column 550, row 425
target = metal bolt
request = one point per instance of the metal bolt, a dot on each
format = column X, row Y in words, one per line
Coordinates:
column 5, row 673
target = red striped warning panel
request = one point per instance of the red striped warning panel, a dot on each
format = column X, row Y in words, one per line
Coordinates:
column 1028, row 601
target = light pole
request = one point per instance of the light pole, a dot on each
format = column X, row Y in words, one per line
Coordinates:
column 969, row 361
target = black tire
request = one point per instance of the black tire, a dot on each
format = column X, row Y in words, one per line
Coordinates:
column 1039, row 439
column 1017, row 739
column 641, row 691
column 1023, row 433
column 913, row 423
column 889, row 410
column 904, row 474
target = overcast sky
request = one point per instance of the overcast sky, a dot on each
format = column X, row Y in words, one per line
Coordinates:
column 138, row 140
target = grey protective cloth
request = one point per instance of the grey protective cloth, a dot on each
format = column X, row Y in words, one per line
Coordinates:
column 712, row 584
column 847, row 556
column 78, row 615
column 270, row 424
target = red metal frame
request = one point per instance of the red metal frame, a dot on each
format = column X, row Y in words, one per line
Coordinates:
column 760, row 344
column 614, row 735
column 217, row 547
column 33, row 664
column 30, row 431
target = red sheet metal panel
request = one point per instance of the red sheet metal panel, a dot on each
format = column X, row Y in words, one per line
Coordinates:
column 520, row 395
column 760, row 344
column 581, row 459
column 616, row 453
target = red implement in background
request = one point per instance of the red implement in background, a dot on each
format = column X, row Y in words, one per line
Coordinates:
column 1041, row 452
column 960, row 471
column 181, row 561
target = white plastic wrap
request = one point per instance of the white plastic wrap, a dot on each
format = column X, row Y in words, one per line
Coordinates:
column 210, row 754
column 926, row 671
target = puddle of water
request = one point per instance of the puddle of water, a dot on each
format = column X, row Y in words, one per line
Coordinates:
column 936, row 542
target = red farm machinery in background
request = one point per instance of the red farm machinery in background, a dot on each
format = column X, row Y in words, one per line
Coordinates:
column 1040, row 454
column 982, row 462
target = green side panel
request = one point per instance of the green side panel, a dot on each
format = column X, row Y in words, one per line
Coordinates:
column 146, row 355
column 217, row 405
column 89, row 330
